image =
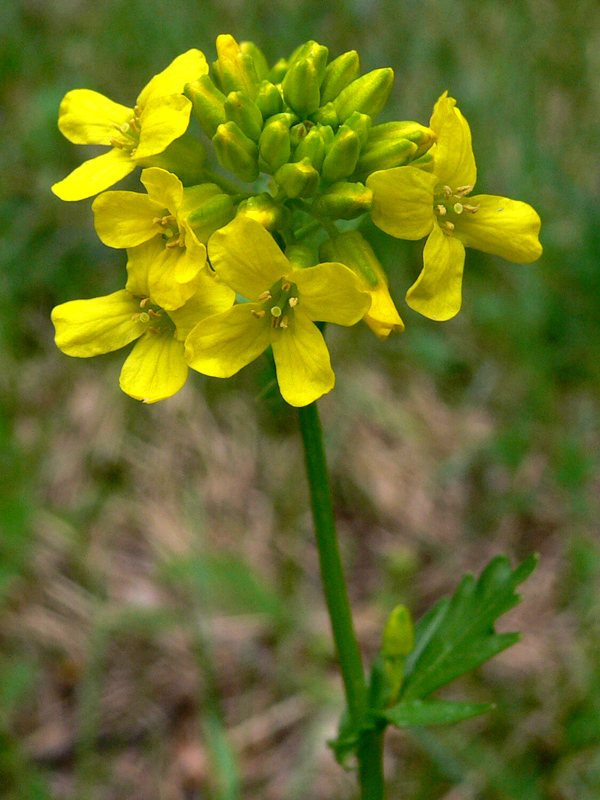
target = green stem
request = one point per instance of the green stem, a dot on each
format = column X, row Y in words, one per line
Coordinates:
column 370, row 750
column 223, row 183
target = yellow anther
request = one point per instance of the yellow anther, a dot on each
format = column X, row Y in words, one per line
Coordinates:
column 472, row 209
column 133, row 152
column 144, row 302
column 117, row 143
column 265, row 295
column 458, row 207
column 135, row 318
column 137, row 111
column 144, row 317
column 259, row 314
column 463, row 190
column 448, row 192
column 293, row 301
column 133, row 124
column 448, row 227
column 179, row 242
column 441, row 210
column 276, row 311
column 154, row 314
column 286, row 286
column 152, row 329
column 284, row 323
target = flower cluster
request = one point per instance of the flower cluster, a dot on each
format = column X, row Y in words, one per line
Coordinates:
column 218, row 272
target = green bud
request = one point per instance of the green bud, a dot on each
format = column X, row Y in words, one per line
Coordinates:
column 269, row 99
column 206, row 208
column 236, row 152
column 361, row 124
column 343, row 201
column 338, row 74
column 299, row 179
column 311, row 147
column 327, row 134
column 245, row 113
column 424, row 162
column 185, row 157
column 301, row 86
column 398, row 635
column 422, row 136
column 326, row 115
column 236, row 70
column 367, row 94
column 301, row 256
column 384, row 154
column 260, row 61
column 277, row 72
column 274, row 144
column 207, row 104
column 263, row 209
column 342, row 155
column 314, row 51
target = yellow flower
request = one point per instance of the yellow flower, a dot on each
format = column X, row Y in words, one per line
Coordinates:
column 160, row 116
column 284, row 304
column 156, row 367
column 155, row 229
column 409, row 204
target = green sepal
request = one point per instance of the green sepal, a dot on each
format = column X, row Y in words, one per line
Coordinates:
column 207, row 104
column 301, row 87
column 326, row 115
column 236, row 152
column 384, row 154
column 184, row 157
column 206, row 209
column 353, row 250
column 301, row 256
column 367, row 94
column 342, row 156
column 269, row 99
column 416, row 713
column 426, row 162
column 421, row 135
column 299, row 179
column 261, row 65
column 264, row 209
column 239, row 108
column 360, row 124
column 343, row 200
column 311, row 147
column 339, row 74
column 274, row 146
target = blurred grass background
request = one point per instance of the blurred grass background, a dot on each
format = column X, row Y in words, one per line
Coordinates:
column 157, row 570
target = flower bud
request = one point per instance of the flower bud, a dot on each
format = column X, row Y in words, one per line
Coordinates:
column 384, row 154
column 343, row 201
column 422, row 136
column 367, row 94
column 361, row 124
column 353, row 250
column 260, row 61
column 245, row 113
column 301, row 256
column 338, row 74
column 277, row 72
column 185, row 157
column 205, row 209
column 398, row 635
column 269, row 99
column 301, row 86
column 274, row 144
column 236, row 70
column 311, row 147
column 342, row 155
column 263, row 209
column 326, row 115
column 236, row 152
column 207, row 104
column 299, row 179
column 314, row 51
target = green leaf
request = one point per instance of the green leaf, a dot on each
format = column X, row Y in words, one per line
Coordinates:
column 410, row 713
column 457, row 634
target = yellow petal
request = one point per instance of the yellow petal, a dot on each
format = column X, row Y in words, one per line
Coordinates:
column 90, row 327
column 507, row 228
column 302, row 362
column 87, row 117
column 403, row 201
column 164, row 188
column 221, row 345
column 453, row 153
column 124, row 219
column 163, row 120
column 155, row 369
column 383, row 317
column 246, row 257
column 139, row 262
column 330, row 292
column 210, row 297
column 437, row 292
column 184, row 69
column 95, row 175
column 172, row 276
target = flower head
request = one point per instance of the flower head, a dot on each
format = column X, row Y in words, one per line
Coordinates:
column 409, row 204
column 156, row 367
column 284, row 303
column 161, row 115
